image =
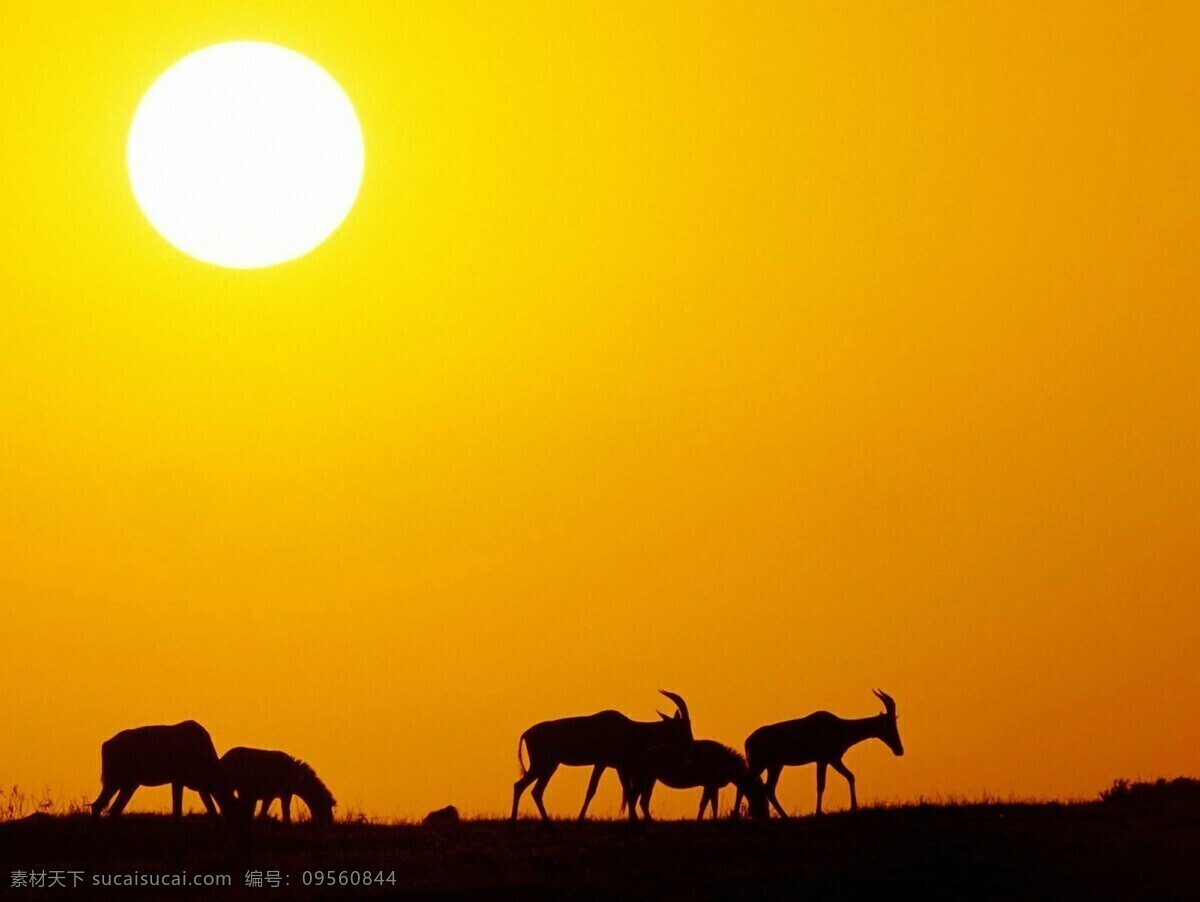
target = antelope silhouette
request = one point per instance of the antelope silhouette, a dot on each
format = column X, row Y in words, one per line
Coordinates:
column 686, row 766
column 258, row 775
column 603, row 740
column 822, row 738
column 181, row 754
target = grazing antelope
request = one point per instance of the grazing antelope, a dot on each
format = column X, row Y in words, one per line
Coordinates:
column 688, row 765
column 603, row 740
column 260, row 775
column 182, row 755
column 822, row 738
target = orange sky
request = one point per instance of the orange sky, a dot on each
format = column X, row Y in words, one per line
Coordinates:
column 766, row 355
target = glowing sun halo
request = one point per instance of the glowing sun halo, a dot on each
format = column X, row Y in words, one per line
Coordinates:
column 245, row 154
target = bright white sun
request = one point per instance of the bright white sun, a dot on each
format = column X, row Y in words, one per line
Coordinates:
column 245, row 154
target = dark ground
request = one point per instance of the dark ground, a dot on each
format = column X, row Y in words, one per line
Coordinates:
column 973, row 851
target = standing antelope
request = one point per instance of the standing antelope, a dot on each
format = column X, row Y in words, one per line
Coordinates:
column 260, row 775
column 688, row 765
column 603, row 740
column 822, row 738
column 182, row 755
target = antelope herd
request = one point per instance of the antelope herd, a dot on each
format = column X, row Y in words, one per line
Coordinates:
column 643, row 753
column 184, row 756
column 665, row 751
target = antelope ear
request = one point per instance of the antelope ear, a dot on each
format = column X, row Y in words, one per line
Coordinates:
column 664, row 716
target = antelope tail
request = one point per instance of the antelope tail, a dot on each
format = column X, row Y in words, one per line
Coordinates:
column 521, row 742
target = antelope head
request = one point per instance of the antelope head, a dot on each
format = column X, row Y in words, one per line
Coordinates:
column 890, row 734
column 682, row 720
column 322, row 810
column 752, row 788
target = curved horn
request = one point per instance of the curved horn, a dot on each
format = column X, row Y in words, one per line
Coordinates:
column 679, row 703
column 888, row 702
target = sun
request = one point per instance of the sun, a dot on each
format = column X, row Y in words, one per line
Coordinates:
column 245, row 154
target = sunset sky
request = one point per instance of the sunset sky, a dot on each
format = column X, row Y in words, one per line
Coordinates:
column 766, row 353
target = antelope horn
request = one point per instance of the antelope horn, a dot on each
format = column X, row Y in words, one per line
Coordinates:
column 679, row 703
column 888, row 702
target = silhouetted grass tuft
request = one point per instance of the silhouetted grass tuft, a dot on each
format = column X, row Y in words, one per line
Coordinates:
column 1161, row 794
column 16, row 804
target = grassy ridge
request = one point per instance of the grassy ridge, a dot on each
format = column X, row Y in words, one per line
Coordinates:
column 1092, row 849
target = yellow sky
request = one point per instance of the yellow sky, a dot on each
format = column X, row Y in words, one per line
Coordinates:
column 766, row 355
